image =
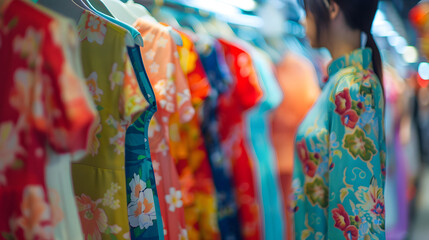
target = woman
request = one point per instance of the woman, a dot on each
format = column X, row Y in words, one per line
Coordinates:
column 339, row 170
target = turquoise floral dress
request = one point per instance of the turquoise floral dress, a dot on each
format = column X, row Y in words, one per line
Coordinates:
column 340, row 156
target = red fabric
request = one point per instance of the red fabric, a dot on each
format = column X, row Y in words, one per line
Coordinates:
column 42, row 102
column 245, row 93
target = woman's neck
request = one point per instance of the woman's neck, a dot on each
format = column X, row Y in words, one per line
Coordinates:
column 343, row 42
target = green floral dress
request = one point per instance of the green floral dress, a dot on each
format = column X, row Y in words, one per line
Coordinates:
column 339, row 170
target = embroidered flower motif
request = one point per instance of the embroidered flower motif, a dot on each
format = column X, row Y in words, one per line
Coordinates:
column 109, row 197
column 154, row 126
column 371, row 203
column 349, row 118
column 183, row 97
column 9, row 148
column 163, row 147
column 94, row 144
column 359, row 145
column 91, row 82
column 26, row 96
column 116, row 77
column 35, row 213
column 378, row 208
column 94, row 30
column 310, row 168
column 148, row 37
column 309, row 160
column 302, row 151
column 317, row 192
column 119, row 139
column 93, row 219
column 341, row 217
column 141, row 210
column 174, row 199
column 343, row 101
column 351, row 233
column 162, row 42
column 28, row 47
column 154, row 67
column 150, row 55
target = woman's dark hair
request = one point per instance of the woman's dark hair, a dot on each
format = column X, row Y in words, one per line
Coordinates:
column 359, row 15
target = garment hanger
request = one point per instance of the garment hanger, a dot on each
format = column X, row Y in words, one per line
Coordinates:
column 139, row 10
column 120, row 11
column 220, row 28
column 136, row 38
column 66, row 8
column 194, row 23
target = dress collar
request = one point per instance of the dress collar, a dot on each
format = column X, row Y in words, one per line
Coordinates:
column 361, row 58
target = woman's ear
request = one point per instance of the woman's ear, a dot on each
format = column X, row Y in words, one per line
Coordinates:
column 334, row 10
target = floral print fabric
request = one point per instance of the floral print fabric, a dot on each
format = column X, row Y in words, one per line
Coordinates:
column 144, row 213
column 340, row 156
column 99, row 179
column 44, row 103
column 213, row 60
column 187, row 147
column 245, row 93
column 161, row 60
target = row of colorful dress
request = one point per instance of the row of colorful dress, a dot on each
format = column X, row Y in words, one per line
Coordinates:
column 111, row 130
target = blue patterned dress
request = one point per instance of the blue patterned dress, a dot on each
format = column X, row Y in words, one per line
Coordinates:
column 147, row 223
column 340, row 156
column 219, row 77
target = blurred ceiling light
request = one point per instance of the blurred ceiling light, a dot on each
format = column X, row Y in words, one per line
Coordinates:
column 214, row 6
column 246, row 5
column 411, row 55
column 424, row 70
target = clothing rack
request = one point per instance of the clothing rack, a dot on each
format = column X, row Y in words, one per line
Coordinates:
column 209, row 8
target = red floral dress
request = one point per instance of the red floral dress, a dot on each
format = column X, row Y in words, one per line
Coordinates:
column 245, row 93
column 43, row 102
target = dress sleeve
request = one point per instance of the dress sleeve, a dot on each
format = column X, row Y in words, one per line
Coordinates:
column 62, row 108
column 356, row 160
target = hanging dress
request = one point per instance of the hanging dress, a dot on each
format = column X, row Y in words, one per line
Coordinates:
column 44, row 105
column 99, row 179
column 189, row 152
column 161, row 60
column 218, row 74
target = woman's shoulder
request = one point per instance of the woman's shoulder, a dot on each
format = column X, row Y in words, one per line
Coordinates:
column 357, row 79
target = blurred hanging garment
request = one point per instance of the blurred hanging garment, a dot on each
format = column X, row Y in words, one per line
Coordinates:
column 189, row 152
column 243, row 94
column 99, row 179
column 172, row 92
column 45, row 108
column 340, row 156
column 262, row 150
column 398, row 162
column 218, row 74
column 298, row 82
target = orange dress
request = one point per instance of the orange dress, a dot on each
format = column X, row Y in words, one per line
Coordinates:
column 171, row 88
column 298, row 81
